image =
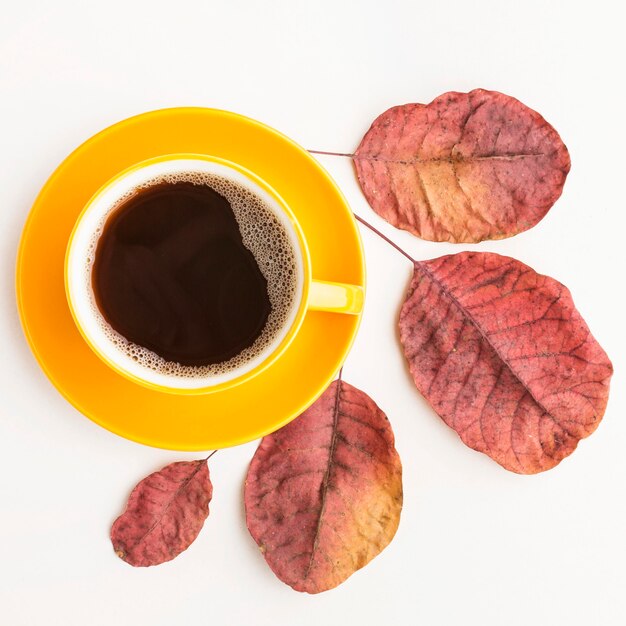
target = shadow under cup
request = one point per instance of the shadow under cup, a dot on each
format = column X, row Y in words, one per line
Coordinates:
column 117, row 351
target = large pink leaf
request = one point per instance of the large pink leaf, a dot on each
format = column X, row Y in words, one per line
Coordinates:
column 504, row 357
column 466, row 167
column 164, row 514
column 323, row 494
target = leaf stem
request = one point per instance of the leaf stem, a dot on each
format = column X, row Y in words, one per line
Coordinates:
column 360, row 219
column 210, row 455
column 385, row 238
column 341, row 154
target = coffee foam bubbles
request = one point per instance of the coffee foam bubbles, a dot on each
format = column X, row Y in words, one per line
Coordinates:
column 264, row 236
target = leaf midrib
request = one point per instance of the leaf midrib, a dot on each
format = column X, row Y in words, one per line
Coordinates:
column 325, row 481
column 159, row 518
column 450, row 159
column 486, row 338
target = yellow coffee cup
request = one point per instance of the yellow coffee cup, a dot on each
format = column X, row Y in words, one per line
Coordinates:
column 117, row 351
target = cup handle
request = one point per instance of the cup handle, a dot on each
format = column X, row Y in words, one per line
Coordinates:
column 335, row 297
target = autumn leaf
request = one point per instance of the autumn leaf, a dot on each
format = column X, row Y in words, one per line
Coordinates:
column 323, row 494
column 466, row 167
column 504, row 357
column 164, row 514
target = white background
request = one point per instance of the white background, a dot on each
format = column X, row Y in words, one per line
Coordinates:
column 476, row 544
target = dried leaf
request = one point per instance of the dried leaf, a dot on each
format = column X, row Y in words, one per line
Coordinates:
column 466, row 167
column 323, row 494
column 504, row 357
column 164, row 514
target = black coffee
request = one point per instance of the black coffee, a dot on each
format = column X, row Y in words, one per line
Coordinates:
column 173, row 274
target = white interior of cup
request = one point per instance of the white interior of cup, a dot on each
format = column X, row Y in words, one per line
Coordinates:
column 80, row 258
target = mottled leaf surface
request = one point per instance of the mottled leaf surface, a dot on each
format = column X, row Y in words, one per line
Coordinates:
column 164, row 514
column 504, row 357
column 323, row 494
column 466, row 167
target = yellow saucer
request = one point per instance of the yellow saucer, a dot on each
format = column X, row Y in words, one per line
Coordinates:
column 219, row 419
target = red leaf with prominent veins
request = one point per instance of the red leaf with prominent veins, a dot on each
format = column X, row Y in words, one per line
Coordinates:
column 164, row 514
column 466, row 167
column 504, row 357
column 323, row 494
